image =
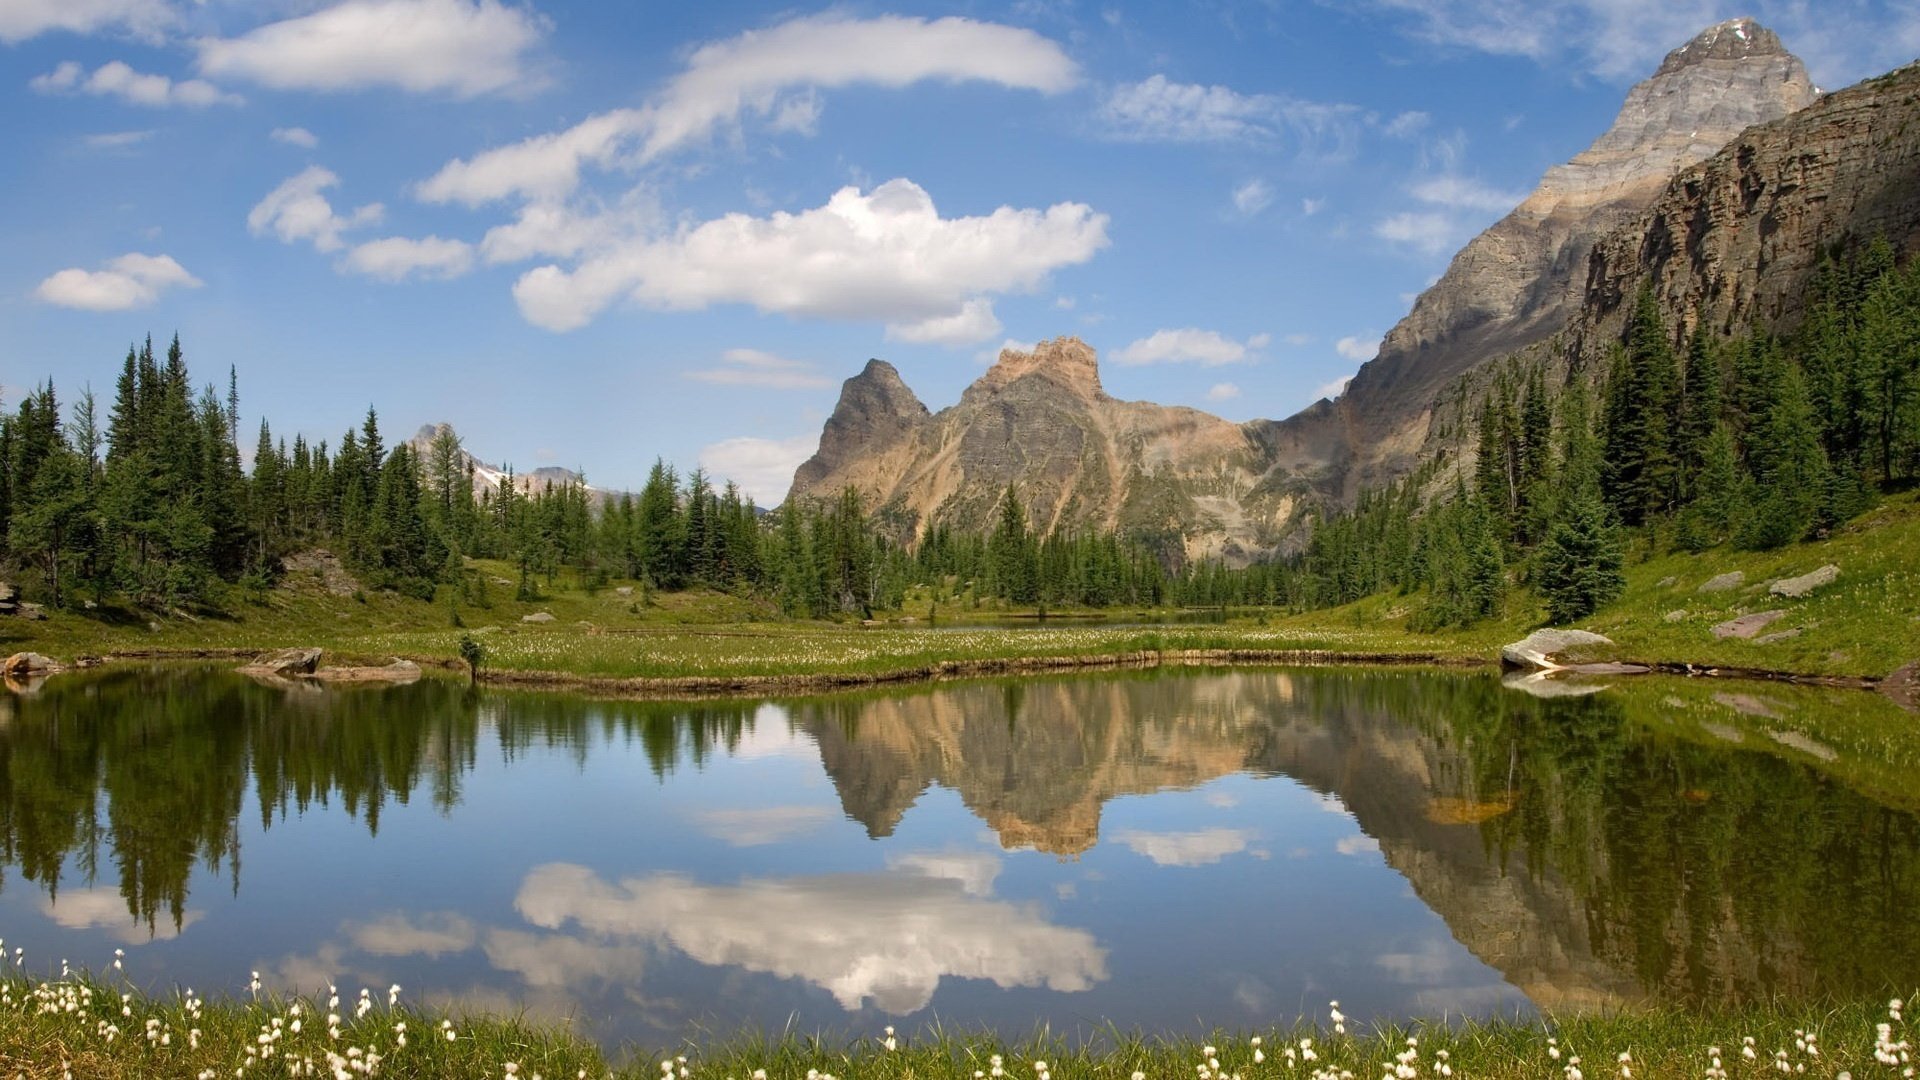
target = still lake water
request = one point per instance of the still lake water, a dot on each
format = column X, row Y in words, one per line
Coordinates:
column 1169, row 851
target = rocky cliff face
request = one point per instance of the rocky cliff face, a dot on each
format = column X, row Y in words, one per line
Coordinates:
column 1041, row 422
column 1735, row 240
column 1521, row 280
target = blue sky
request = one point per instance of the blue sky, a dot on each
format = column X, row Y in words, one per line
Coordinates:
column 590, row 234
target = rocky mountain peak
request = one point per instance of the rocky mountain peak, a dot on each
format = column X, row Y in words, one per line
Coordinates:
column 1735, row 39
column 876, row 409
column 1066, row 362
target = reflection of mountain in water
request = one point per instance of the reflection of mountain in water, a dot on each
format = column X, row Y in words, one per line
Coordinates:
column 1588, row 862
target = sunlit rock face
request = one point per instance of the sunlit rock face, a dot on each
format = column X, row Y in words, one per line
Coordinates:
column 1521, row 280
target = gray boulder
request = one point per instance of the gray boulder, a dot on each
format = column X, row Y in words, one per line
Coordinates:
column 1550, row 649
column 1796, row 587
column 28, row 663
column 538, row 617
column 285, row 662
column 1726, row 582
column 1746, row 626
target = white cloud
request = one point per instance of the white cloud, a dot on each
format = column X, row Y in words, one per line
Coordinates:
column 1310, row 207
column 1252, row 197
column 1406, row 125
column 461, row 47
column 295, row 136
column 974, row 322
column 760, row 826
column 431, row 935
column 885, row 938
column 106, row 909
column 974, row 871
column 1190, row 345
column 296, row 210
column 22, row 19
column 1224, row 391
column 774, row 74
column 115, row 140
column 1334, row 389
column 989, row 357
column 1160, row 110
column 886, row 255
column 116, row 79
column 129, row 281
column 1461, row 193
column 1357, row 844
column 763, row 468
column 1429, row 233
column 397, row 258
column 1357, row 348
column 1198, row 848
column 752, row 367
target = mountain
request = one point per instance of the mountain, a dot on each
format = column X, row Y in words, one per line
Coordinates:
column 487, row 477
column 1041, row 421
column 1519, row 282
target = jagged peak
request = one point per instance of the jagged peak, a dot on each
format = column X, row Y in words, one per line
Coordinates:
column 1735, row 39
column 1067, row 361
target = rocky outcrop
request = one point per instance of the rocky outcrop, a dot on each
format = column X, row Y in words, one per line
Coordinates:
column 1734, row 241
column 1551, row 650
column 1795, row 588
column 284, row 663
column 27, row 664
column 1041, row 423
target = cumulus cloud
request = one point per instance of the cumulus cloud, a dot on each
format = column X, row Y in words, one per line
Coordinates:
column 886, row 255
column 296, row 210
column 116, row 79
column 23, row 19
column 774, row 74
column 1355, row 347
column 1252, row 197
column 974, row 871
column 762, row 467
column 1190, row 345
column 1198, row 848
column 465, row 48
column 1462, row 193
column 753, row 367
column 1158, row 109
column 130, row 281
column 974, row 322
column 1222, row 391
column 397, row 258
column 885, row 938
column 295, row 136
column 106, row 909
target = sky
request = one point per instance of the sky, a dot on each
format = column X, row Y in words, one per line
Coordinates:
column 593, row 234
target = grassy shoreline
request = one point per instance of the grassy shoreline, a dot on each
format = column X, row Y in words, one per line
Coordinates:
column 78, row 1026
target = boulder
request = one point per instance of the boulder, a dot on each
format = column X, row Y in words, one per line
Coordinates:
column 538, row 617
column 400, row 671
column 1676, row 615
column 28, row 663
column 1726, row 582
column 624, row 590
column 1796, row 587
column 1546, row 649
column 32, row 612
column 285, row 662
column 1779, row 636
column 1746, row 626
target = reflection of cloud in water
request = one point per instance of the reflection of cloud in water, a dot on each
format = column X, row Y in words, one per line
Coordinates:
column 558, row 961
column 1447, row 977
column 430, row 935
column 105, row 909
column 889, row 937
column 1357, row 844
column 762, row 825
column 975, row 871
column 1197, row 848
column 773, row 736
column 1223, row 800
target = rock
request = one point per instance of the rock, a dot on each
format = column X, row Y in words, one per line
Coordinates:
column 1747, row 625
column 538, row 617
column 1783, row 635
column 29, row 663
column 31, row 612
column 1797, row 587
column 400, row 671
column 1546, row 649
column 7, row 592
column 284, row 662
column 624, row 590
column 1667, row 582
column 1676, row 616
column 1726, row 582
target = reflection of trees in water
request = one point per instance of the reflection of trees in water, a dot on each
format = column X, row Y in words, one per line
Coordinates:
column 151, row 766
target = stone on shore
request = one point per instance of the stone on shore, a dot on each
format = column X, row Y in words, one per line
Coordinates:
column 285, row 662
column 1550, row 649
column 28, row 663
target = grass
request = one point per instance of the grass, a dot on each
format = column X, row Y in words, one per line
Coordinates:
column 82, row 1027
column 1866, row 624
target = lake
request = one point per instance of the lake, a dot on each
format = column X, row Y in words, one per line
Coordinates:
column 1170, row 850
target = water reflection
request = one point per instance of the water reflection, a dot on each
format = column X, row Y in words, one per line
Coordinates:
column 1409, row 842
